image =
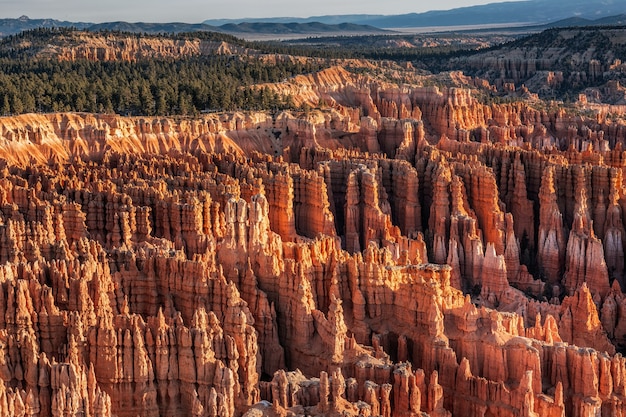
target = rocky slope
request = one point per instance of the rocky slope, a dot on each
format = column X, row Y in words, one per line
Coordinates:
column 71, row 45
column 556, row 63
column 407, row 251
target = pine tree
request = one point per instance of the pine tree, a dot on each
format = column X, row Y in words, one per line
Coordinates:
column 6, row 106
column 18, row 107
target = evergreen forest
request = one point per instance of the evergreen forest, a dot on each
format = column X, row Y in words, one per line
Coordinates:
column 182, row 86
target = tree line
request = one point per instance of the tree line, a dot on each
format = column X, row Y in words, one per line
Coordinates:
column 185, row 86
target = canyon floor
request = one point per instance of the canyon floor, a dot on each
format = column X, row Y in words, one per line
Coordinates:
column 399, row 242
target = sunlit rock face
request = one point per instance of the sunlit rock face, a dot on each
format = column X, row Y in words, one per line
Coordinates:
column 404, row 252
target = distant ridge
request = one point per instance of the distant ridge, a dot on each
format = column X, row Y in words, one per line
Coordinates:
column 619, row 20
column 141, row 27
column 611, row 20
column 327, row 19
column 531, row 12
column 14, row 26
column 300, row 28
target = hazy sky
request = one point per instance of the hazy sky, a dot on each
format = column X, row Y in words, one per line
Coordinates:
column 195, row 11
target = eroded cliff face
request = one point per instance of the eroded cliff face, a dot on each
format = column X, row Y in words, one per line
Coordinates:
column 583, row 59
column 92, row 46
column 408, row 251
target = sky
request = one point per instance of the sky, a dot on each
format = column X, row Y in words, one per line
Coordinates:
column 196, row 11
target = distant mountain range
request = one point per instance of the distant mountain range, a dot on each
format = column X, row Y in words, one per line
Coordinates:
column 513, row 12
column 13, row 26
column 579, row 21
column 618, row 20
column 534, row 13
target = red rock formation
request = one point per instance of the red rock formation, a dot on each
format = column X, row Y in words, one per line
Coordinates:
column 521, row 207
column 585, row 254
column 551, row 245
column 76, row 45
column 580, row 324
column 184, row 267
